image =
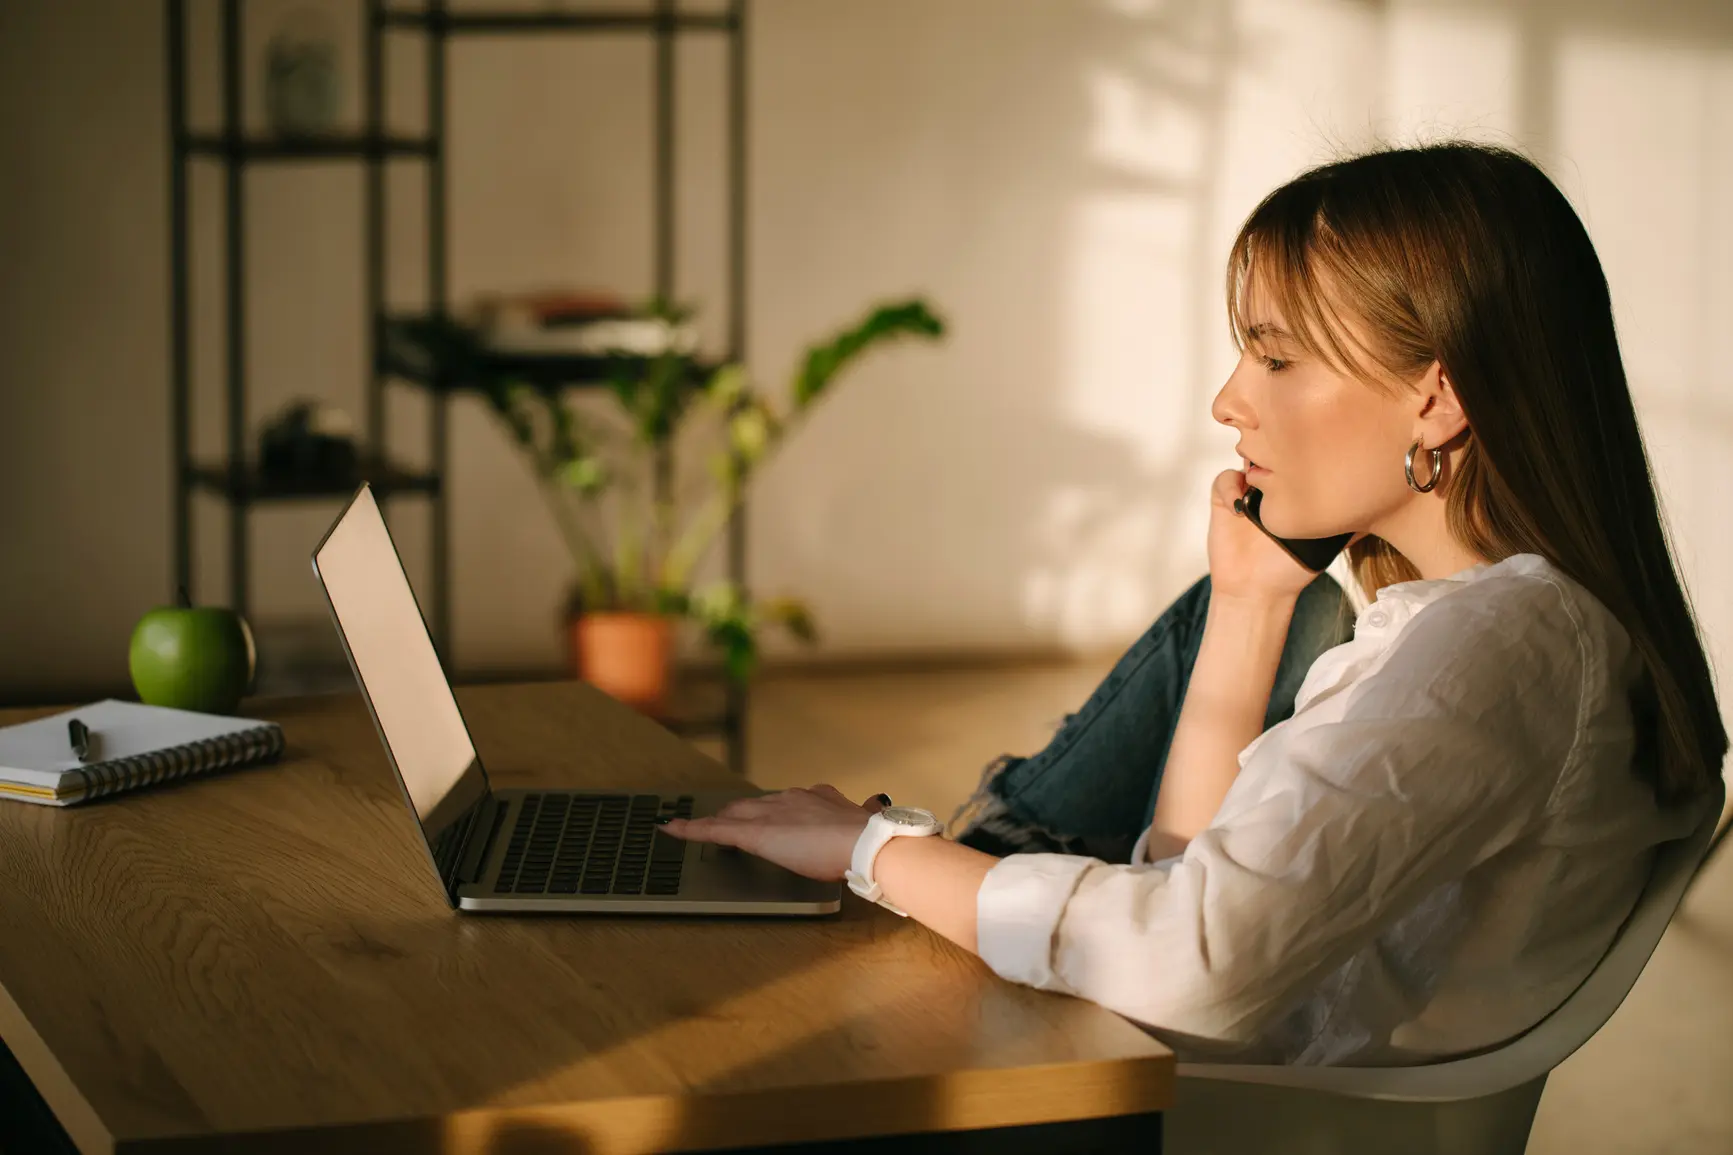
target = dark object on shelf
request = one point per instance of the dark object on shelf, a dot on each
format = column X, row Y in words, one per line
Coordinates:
column 336, row 146
column 442, row 353
column 307, row 445
column 547, row 307
column 243, row 487
column 302, row 88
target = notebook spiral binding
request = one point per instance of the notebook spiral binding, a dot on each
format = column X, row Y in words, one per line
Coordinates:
column 260, row 744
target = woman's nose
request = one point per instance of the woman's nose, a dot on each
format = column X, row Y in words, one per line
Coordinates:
column 1230, row 407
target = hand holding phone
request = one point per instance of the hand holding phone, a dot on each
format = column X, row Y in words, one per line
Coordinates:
column 1315, row 553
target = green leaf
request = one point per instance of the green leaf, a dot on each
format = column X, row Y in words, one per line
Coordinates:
column 655, row 392
column 663, row 309
column 516, row 399
column 588, row 475
column 670, row 602
column 792, row 615
column 565, row 446
column 749, row 433
column 887, row 322
column 623, row 383
column 727, row 386
column 739, row 649
column 719, row 604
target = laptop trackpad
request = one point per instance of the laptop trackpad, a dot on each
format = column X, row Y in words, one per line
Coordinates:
column 737, row 868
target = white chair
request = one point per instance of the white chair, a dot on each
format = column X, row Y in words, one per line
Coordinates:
column 1482, row 1105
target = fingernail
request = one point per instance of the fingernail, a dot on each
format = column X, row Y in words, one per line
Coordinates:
column 662, row 819
column 884, row 798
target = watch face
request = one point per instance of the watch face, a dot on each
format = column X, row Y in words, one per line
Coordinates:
column 907, row 815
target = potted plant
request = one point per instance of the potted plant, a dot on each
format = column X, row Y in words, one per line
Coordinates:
column 612, row 487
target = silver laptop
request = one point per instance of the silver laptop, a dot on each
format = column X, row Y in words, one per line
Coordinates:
column 521, row 850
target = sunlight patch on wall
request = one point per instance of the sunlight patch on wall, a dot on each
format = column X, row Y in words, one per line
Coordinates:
column 1100, row 593
column 1128, row 356
column 1127, row 345
column 1139, row 130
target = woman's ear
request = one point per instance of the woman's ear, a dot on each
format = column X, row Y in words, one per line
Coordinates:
column 1440, row 418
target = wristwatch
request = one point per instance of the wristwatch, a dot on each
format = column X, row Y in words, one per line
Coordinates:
column 891, row 822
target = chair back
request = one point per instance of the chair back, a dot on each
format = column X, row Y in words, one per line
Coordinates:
column 1483, row 1103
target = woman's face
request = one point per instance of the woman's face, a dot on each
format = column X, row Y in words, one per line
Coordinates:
column 1327, row 448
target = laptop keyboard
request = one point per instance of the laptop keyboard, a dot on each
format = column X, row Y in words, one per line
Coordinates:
column 593, row 844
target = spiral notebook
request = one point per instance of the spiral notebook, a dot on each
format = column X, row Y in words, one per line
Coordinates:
column 131, row 746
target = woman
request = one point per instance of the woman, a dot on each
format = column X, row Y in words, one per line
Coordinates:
column 1439, row 844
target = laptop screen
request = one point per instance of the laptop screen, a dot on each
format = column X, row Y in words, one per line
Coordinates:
column 398, row 668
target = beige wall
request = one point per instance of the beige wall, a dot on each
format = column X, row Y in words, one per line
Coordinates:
column 1061, row 178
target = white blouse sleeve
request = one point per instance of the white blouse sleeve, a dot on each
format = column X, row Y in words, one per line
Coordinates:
column 1440, row 759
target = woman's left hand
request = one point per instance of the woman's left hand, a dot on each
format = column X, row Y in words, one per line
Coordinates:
column 809, row 830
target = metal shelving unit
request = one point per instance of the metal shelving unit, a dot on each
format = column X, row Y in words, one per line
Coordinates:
column 234, row 478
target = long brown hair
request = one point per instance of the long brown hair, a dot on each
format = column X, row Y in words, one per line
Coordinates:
column 1468, row 255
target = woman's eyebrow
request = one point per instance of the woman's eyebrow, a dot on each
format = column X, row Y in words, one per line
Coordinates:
column 1261, row 330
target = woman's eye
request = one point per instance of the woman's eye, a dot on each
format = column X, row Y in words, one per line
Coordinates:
column 1272, row 364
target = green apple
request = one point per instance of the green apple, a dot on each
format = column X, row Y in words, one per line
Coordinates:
column 192, row 658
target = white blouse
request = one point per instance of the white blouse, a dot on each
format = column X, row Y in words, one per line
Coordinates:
column 1423, row 861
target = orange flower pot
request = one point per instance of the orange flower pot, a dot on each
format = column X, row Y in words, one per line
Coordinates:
column 625, row 655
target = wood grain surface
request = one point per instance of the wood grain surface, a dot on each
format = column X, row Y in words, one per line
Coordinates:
column 262, row 961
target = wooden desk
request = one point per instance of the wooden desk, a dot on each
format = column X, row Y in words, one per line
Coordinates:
column 261, row 961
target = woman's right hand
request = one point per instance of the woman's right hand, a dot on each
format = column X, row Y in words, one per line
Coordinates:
column 1244, row 564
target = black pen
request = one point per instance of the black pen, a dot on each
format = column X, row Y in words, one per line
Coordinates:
column 79, row 735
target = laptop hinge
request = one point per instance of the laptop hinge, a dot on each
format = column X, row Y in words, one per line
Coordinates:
column 489, row 818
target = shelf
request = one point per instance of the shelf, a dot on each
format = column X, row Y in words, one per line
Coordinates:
column 447, row 356
column 429, row 352
column 338, row 146
column 459, row 22
column 248, row 486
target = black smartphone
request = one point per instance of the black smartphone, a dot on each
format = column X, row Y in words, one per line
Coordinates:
column 1315, row 553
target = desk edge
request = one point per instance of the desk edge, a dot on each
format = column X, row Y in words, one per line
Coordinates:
column 51, row 1080
column 973, row 1099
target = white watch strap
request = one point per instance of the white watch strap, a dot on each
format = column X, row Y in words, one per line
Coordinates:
column 880, row 829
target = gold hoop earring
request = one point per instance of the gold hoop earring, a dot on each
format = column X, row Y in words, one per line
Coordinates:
column 1437, row 464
